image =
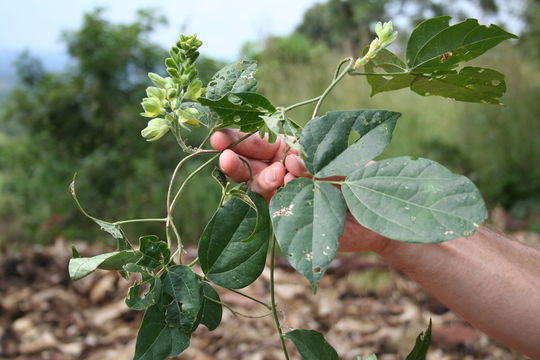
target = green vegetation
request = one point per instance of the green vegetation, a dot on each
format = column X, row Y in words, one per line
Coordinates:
column 87, row 118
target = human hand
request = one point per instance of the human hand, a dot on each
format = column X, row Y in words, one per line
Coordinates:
column 270, row 172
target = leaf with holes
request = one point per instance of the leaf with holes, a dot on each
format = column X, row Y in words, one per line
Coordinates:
column 421, row 347
column 414, row 200
column 471, row 84
column 232, row 113
column 325, row 140
column 390, row 63
column 184, row 286
column 225, row 259
column 435, row 45
column 308, row 217
column 156, row 340
column 312, row 345
column 235, row 77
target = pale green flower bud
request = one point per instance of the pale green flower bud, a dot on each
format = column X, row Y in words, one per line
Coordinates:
column 152, row 107
column 194, row 90
column 155, row 129
column 385, row 36
column 188, row 116
column 154, row 92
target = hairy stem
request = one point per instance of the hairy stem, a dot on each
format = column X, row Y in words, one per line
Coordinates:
column 302, row 103
column 334, row 83
column 273, row 295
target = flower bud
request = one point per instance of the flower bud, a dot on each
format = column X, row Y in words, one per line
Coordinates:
column 194, row 90
column 155, row 129
column 152, row 107
column 188, row 116
column 157, row 93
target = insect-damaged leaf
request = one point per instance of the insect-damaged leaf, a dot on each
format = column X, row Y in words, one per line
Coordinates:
column 312, row 345
column 389, row 63
column 471, row 84
column 235, row 77
column 81, row 267
column 435, row 45
column 421, row 347
column 325, row 140
column 225, row 258
column 308, row 217
column 134, row 300
column 184, row 286
column 414, row 200
column 155, row 252
column 156, row 340
column 235, row 111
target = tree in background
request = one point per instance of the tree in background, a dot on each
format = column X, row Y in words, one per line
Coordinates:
column 85, row 118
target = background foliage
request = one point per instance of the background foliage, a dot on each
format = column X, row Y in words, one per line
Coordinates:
column 85, row 119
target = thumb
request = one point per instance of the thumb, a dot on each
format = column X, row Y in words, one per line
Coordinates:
column 268, row 180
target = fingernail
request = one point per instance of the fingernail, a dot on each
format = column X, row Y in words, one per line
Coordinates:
column 270, row 174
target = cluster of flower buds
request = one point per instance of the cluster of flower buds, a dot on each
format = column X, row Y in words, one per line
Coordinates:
column 385, row 36
column 164, row 100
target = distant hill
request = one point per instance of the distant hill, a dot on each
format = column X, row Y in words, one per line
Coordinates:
column 52, row 60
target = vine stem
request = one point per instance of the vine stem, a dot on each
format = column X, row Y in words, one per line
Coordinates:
column 355, row 73
column 273, row 295
column 234, row 312
column 169, row 192
column 334, row 83
column 302, row 103
column 139, row 220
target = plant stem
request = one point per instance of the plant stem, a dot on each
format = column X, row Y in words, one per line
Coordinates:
column 338, row 67
column 234, row 312
column 334, row 82
column 193, row 262
column 252, row 298
column 273, row 295
column 354, row 73
column 302, row 103
column 139, row 220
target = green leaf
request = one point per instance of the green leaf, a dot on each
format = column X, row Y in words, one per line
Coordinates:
column 225, row 259
column 235, row 77
column 308, row 218
column 136, row 302
column 241, row 194
column 471, row 84
column 81, row 267
column 312, row 345
column 254, row 100
column 390, row 63
column 435, row 45
column 244, row 115
column 116, row 231
column 325, row 140
column 421, row 347
column 155, row 252
column 156, row 340
column 185, row 287
column 414, row 200
column 211, row 312
column 205, row 116
column 280, row 124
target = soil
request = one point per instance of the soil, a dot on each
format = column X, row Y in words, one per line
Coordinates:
column 362, row 306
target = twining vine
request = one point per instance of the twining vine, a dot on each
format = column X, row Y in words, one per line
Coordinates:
column 400, row 198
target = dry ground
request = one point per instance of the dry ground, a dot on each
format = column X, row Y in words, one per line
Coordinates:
column 362, row 306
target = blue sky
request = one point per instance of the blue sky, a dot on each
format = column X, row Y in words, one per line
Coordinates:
column 223, row 25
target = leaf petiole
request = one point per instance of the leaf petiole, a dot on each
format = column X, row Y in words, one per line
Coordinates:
column 139, row 220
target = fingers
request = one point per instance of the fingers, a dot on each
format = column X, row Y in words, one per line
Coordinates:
column 236, row 169
column 295, row 165
column 253, row 147
column 268, row 180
